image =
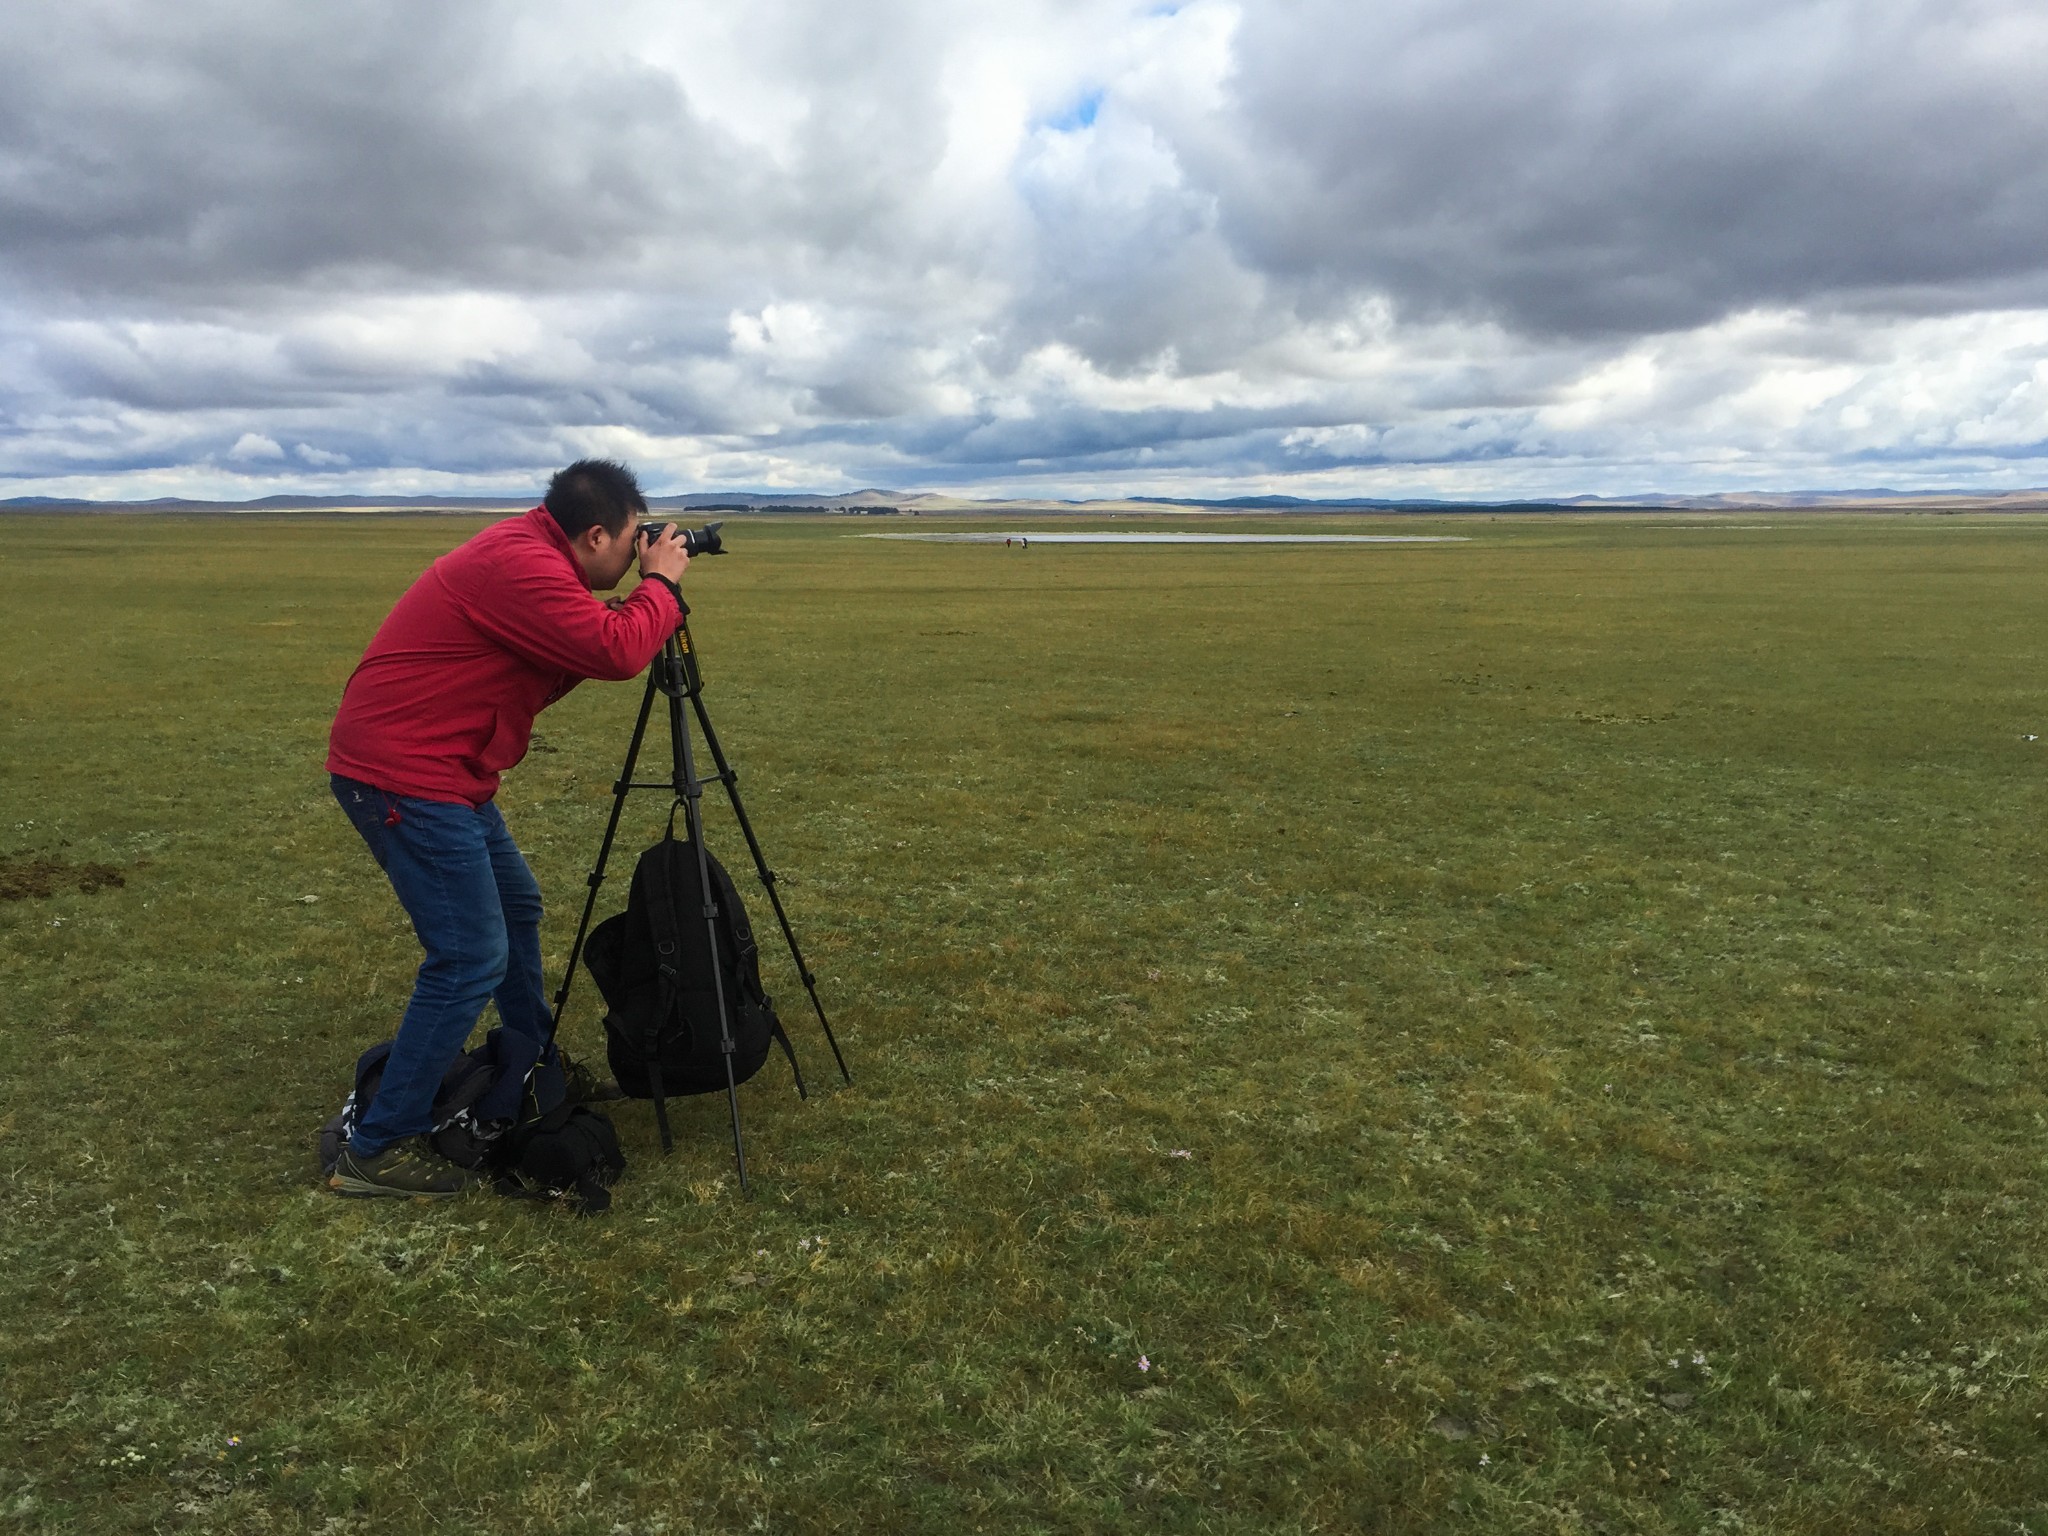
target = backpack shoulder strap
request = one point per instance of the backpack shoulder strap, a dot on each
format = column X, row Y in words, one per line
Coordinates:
column 662, row 917
column 746, row 956
column 781, row 1038
column 667, row 933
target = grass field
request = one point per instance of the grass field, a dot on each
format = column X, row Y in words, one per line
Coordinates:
column 1542, row 1034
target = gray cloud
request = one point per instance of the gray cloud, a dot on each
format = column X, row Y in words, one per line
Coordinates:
column 1588, row 167
column 200, row 151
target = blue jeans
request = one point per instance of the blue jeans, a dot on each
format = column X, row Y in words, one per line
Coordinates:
column 476, row 909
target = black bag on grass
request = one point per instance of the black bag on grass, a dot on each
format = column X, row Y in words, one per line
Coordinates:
column 460, row 1132
column 570, row 1154
column 537, row 1144
column 653, row 964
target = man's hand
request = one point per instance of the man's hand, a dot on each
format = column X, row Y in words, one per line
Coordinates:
column 665, row 556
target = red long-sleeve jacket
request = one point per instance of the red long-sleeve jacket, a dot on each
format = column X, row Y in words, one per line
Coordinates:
column 492, row 633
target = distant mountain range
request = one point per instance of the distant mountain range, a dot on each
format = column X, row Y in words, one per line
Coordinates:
column 915, row 503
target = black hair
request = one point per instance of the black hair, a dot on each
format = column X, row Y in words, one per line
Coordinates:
column 594, row 492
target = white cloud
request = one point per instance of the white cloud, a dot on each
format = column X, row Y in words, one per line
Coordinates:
column 410, row 335
column 251, row 445
column 786, row 337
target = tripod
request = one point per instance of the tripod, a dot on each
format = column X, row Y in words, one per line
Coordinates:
column 675, row 676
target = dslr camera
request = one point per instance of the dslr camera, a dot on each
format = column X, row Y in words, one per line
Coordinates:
column 696, row 541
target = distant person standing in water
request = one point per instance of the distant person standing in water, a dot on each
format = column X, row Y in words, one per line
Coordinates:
column 441, row 705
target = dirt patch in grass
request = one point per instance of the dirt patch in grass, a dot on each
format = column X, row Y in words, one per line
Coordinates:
column 25, row 877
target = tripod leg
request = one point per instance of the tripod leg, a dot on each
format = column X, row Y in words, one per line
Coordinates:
column 604, row 852
column 690, row 790
column 730, row 779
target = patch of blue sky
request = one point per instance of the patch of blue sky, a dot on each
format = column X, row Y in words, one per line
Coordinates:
column 1077, row 114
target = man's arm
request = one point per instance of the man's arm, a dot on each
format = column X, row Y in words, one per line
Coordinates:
column 553, row 620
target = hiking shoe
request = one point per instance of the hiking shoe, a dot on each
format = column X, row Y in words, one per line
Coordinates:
column 585, row 1086
column 408, row 1167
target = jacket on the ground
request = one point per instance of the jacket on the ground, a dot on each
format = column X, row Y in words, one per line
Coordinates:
column 492, row 633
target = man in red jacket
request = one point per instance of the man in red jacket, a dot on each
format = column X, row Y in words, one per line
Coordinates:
column 442, row 704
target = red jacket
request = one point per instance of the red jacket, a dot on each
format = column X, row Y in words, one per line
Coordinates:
column 492, row 633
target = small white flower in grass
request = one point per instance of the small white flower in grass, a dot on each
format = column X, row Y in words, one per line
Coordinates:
column 1181, row 1152
column 1698, row 1358
column 1485, row 1460
column 1144, row 1363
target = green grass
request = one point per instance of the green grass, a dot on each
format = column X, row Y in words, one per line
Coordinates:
column 1594, row 973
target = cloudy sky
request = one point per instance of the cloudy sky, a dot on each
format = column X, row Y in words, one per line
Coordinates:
column 1049, row 247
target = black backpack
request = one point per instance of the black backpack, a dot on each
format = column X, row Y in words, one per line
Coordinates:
column 654, row 967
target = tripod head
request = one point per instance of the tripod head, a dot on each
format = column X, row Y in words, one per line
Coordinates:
column 674, row 671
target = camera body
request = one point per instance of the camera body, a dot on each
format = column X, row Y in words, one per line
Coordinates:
column 696, row 541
